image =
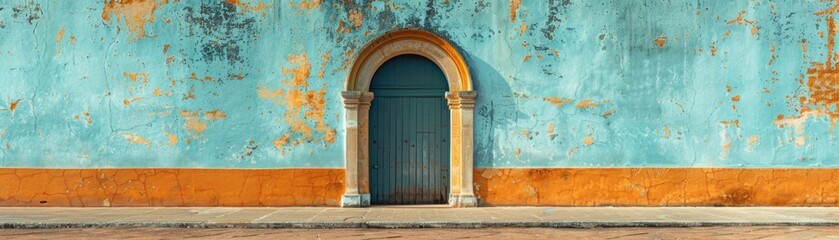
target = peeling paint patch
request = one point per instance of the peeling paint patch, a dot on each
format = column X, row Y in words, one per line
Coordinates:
column 588, row 141
column 224, row 32
column 13, row 105
column 58, row 37
column 740, row 20
column 281, row 142
column 30, row 10
column 800, row 141
column 248, row 7
column 713, row 49
column 822, row 84
column 324, row 60
column 303, row 106
column 735, row 122
column 173, row 139
column 726, row 148
column 135, row 139
column 660, row 41
column 753, row 141
column 137, row 76
column 214, row 115
column 829, row 11
column 557, row 101
column 355, row 17
column 134, row 14
column 306, row 4
column 301, row 72
column 127, row 101
column 514, row 9
column 609, row 113
column 196, row 126
column 586, row 103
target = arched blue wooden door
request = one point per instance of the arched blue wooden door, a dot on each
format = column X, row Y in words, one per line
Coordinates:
column 409, row 133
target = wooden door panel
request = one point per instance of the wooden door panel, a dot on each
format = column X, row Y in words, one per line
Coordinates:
column 409, row 133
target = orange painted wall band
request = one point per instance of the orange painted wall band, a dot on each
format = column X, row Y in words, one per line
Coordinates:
column 658, row 187
column 170, row 187
column 494, row 187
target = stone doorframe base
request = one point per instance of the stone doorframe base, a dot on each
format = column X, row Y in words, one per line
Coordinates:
column 357, row 99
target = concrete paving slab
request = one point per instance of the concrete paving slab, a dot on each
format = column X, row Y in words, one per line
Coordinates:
column 412, row 217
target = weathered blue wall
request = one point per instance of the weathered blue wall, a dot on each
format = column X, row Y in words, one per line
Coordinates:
column 256, row 84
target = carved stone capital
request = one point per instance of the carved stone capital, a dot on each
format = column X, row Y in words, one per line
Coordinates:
column 354, row 99
column 467, row 98
column 461, row 99
column 467, row 95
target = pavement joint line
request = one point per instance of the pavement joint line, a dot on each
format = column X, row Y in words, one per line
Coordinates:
column 798, row 218
column 266, row 215
column 123, row 218
column 223, row 215
column 316, row 215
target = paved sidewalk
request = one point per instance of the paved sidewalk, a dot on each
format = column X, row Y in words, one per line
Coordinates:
column 418, row 217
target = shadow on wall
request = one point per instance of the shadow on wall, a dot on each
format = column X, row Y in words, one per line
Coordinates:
column 495, row 110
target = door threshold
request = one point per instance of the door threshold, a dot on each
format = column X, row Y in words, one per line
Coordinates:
column 413, row 206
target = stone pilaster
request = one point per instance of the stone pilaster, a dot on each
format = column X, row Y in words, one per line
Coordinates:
column 356, row 156
column 462, row 105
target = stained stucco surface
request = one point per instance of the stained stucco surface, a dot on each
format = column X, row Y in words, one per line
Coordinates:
column 256, row 84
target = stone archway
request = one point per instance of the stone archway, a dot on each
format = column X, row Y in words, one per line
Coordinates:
column 357, row 98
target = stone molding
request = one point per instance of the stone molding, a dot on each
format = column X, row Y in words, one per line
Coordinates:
column 357, row 99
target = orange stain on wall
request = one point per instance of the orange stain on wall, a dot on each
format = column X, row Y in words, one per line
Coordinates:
column 127, row 101
column 306, row 4
column 740, row 20
column 557, row 101
column 355, row 18
column 823, row 79
column 196, row 126
column 13, row 105
column 660, row 41
column 304, row 106
column 822, row 83
column 324, row 60
column 137, row 76
column 170, row 187
column 214, row 115
column 586, row 104
column 172, row 138
column 133, row 13
column 301, row 72
column 657, row 187
column 135, row 139
column 247, row 7
column 514, row 9
column 59, row 36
